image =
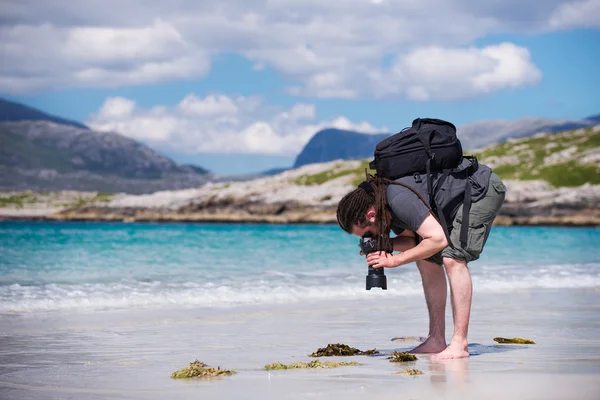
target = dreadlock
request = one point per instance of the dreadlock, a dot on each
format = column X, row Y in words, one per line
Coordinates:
column 353, row 207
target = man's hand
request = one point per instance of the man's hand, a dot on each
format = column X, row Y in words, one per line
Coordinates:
column 381, row 259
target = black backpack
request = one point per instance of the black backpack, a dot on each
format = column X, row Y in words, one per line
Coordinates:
column 428, row 145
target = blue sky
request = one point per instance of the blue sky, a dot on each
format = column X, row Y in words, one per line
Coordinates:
column 248, row 89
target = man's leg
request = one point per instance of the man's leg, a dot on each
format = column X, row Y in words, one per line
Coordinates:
column 461, row 294
column 434, row 286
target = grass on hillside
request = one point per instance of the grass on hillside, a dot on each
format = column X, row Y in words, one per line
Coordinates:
column 533, row 154
column 20, row 200
column 17, row 200
column 316, row 179
column 519, row 159
column 84, row 202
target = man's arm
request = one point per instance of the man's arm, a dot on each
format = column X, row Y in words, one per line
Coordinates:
column 434, row 241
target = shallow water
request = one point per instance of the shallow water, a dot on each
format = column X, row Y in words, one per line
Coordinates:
column 89, row 266
column 109, row 311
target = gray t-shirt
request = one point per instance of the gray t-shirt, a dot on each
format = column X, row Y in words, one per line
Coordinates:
column 408, row 210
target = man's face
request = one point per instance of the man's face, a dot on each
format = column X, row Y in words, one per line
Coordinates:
column 369, row 226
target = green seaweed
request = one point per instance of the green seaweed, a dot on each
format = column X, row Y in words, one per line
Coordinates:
column 412, row 371
column 311, row 364
column 198, row 369
column 402, row 356
column 409, row 339
column 339, row 349
column 513, row 340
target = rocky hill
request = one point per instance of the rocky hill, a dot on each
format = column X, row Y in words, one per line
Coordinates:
column 46, row 156
column 16, row 112
column 565, row 159
column 552, row 179
column 485, row 133
column 334, row 144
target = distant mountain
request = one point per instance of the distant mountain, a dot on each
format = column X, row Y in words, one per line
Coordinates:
column 481, row 134
column 274, row 171
column 42, row 155
column 334, row 144
column 566, row 159
column 594, row 118
column 16, row 112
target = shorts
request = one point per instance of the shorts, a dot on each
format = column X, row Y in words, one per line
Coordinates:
column 481, row 218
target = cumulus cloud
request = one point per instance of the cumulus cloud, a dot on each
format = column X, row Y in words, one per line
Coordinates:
column 219, row 124
column 42, row 56
column 450, row 74
column 576, row 14
column 327, row 49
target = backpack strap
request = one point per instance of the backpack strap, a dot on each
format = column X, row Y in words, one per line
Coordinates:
column 464, row 228
column 416, row 193
column 440, row 215
column 436, row 213
column 472, row 166
column 425, row 139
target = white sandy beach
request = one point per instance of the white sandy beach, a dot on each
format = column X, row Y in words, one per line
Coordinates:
column 131, row 354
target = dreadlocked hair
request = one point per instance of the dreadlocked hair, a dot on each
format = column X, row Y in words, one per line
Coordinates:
column 353, row 207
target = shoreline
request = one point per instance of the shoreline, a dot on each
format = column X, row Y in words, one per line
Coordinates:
column 583, row 219
column 282, row 200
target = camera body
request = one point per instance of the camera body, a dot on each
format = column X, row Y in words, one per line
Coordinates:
column 376, row 276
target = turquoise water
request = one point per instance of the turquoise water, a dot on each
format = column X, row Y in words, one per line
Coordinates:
column 86, row 266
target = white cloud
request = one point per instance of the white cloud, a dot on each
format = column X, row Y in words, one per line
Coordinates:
column 325, row 49
column 117, row 108
column 219, row 124
column 211, row 105
column 156, row 42
column 40, row 56
column 576, row 14
column 450, row 74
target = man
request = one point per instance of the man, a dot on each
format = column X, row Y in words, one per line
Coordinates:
column 379, row 205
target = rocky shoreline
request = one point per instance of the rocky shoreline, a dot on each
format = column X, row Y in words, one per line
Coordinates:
column 512, row 214
column 582, row 218
column 282, row 199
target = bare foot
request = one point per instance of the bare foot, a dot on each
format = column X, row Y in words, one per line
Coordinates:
column 454, row 350
column 431, row 345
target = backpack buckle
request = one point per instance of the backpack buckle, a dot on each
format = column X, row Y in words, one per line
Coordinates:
column 417, row 177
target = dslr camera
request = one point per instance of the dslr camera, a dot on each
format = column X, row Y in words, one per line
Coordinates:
column 376, row 276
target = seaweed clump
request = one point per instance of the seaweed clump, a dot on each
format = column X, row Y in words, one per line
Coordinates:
column 513, row 340
column 311, row 364
column 401, row 356
column 339, row 349
column 412, row 371
column 409, row 339
column 198, row 369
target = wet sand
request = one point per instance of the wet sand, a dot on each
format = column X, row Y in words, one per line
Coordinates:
column 130, row 354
